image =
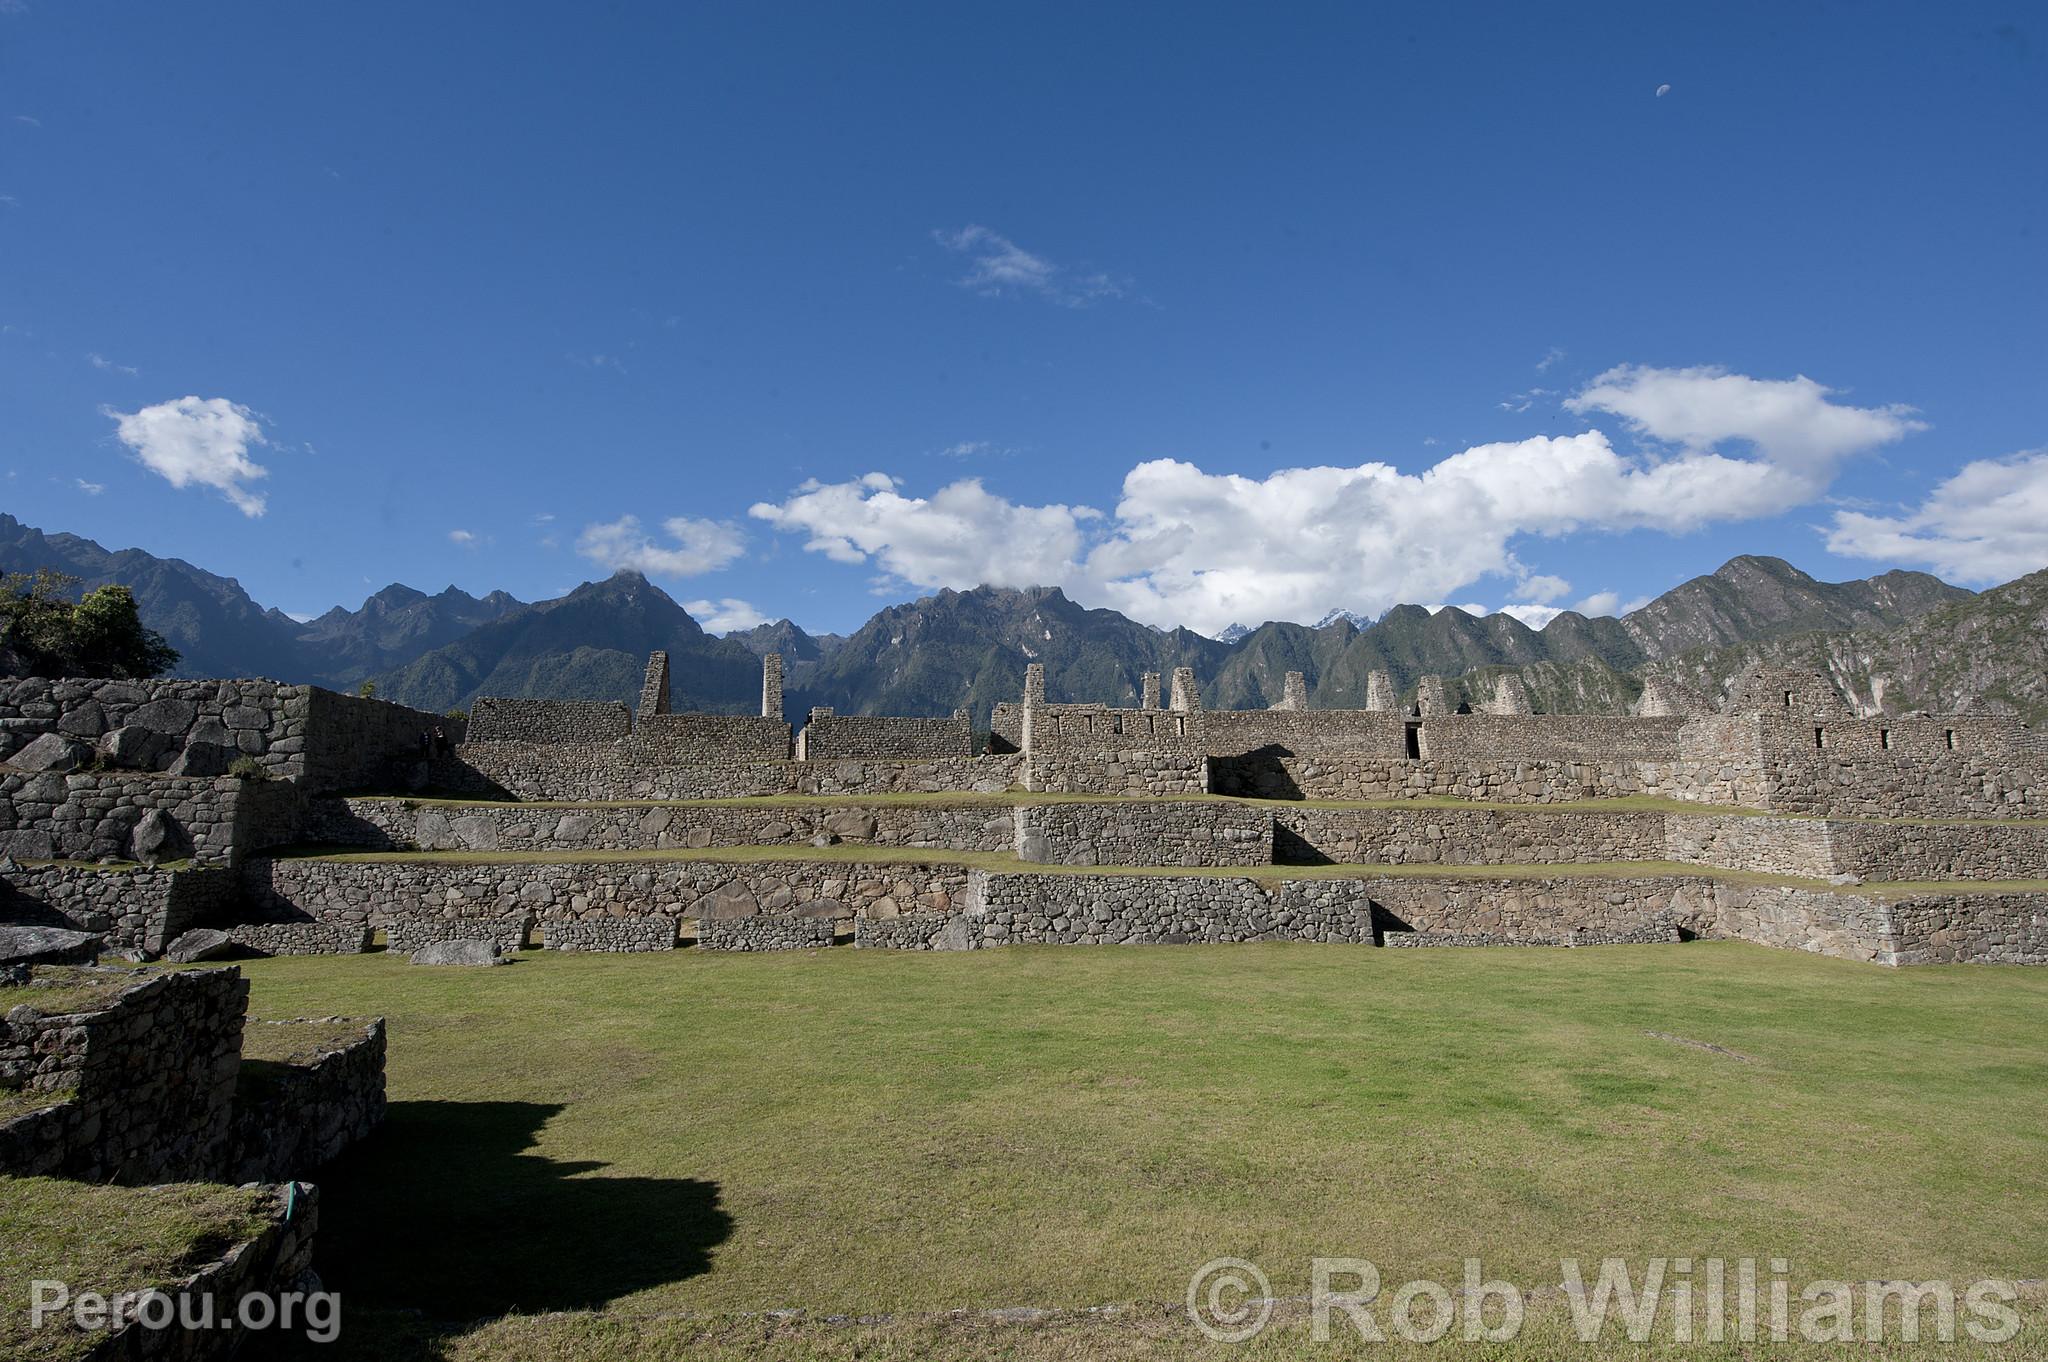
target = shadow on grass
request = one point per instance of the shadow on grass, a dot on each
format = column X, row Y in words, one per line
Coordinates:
column 442, row 1212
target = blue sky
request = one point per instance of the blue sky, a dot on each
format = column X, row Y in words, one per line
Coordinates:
column 1204, row 312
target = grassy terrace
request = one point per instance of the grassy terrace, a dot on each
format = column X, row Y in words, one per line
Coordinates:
column 849, row 854
column 106, row 1239
column 659, row 1145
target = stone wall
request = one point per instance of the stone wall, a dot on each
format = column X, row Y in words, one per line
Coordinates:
column 1363, row 778
column 2006, row 929
column 293, row 1115
column 1150, row 832
column 151, row 1075
column 1135, row 772
column 141, row 910
column 199, row 728
column 679, row 739
column 429, row 900
column 1775, row 846
column 1490, row 739
column 1304, row 733
column 1451, row 836
column 1068, row 909
column 765, row 933
column 831, row 737
column 548, row 721
column 129, row 816
column 601, row 773
column 1539, row 909
column 1842, row 925
column 385, row 824
column 611, row 934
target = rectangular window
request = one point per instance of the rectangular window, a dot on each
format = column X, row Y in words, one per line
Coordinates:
column 1820, row 737
column 1414, row 732
column 1949, row 734
column 1884, row 738
column 1788, row 699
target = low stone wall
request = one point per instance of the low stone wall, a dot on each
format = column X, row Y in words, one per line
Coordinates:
column 299, row 938
column 292, row 1116
column 417, row 901
column 922, row 930
column 606, row 773
column 1449, row 836
column 1008, row 909
column 141, row 910
column 1143, row 833
column 611, row 934
column 493, row 720
column 1641, row 936
column 1842, row 925
column 766, row 933
column 1539, row 909
column 2004, row 929
column 385, row 824
column 1775, row 846
column 151, row 1076
column 277, row 1260
column 1130, row 771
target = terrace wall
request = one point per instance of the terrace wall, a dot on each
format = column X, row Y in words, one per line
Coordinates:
column 1153, row 832
column 493, row 720
column 601, row 773
column 1452, row 836
column 141, row 910
column 105, row 815
column 833, row 737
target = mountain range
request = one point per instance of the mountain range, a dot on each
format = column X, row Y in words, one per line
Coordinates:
column 1897, row 641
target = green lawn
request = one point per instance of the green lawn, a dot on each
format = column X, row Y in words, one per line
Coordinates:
column 860, row 1132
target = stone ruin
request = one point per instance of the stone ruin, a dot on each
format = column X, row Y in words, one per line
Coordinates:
column 1783, row 780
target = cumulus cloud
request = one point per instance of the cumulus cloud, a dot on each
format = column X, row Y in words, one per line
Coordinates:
column 998, row 265
column 725, row 615
column 462, row 537
column 202, row 441
column 696, row 546
column 1187, row 546
column 1988, row 523
column 1788, row 422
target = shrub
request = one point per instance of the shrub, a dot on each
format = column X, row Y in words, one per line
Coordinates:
column 248, row 768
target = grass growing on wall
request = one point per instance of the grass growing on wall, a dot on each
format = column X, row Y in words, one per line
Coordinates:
column 866, row 1132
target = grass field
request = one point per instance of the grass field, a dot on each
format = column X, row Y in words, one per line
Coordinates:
column 677, row 1139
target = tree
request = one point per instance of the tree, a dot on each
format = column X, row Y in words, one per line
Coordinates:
column 44, row 633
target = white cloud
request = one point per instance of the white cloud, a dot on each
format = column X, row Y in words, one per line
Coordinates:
column 1535, row 616
column 198, row 440
column 725, row 615
column 462, row 537
column 1789, row 422
column 1600, row 603
column 1186, row 546
column 91, row 489
column 699, row 546
column 1522, row 401
column 1663, row 90
column 967, row 449
column 30, row 119
column 1988, row 523
column 961, row 535
column 998, row 265
column 1550, row 357
column 103, row 363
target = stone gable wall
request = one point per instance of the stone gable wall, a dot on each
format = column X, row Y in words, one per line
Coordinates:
column 548, row 721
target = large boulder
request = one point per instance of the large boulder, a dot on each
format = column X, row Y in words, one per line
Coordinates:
column 24, row 945
column 201, row 943
column 459, row 953
column 172, row 717
column 133, row 748
column 204, row 759
column 158, row 838
column 851, row 825
column 51, row 752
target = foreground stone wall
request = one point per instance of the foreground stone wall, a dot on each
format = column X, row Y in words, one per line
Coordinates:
column 293, row 1116
column 151, row 1076
column 548, row 721
column 385, row 824
column 1153, row 832
column 141, row 910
